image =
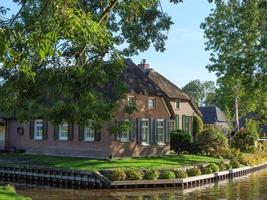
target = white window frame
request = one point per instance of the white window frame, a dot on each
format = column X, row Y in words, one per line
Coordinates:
column 149, row 104
column 38, row 123
column 163, row 131
column 128, row 99
column 148, row 131
column 60, row 131
column 177, row 106
column 89, row 132
column 3, row 133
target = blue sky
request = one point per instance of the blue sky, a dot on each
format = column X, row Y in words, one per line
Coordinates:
column 185, row 57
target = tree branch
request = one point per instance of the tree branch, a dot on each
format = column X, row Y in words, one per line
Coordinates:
column 17, row 15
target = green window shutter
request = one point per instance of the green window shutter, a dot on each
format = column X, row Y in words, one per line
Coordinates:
column 191, row 124
column 56, row 132
column 177, row 122
column 70, row 129
column 184, row 122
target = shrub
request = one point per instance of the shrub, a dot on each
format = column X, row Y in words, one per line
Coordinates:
column 233, row 153
column 222, row 166
column 193, row 171
column 134, row 174
column 167, row 174
column 251, row 160
column 118, row 175
column 206, row 170
column 181, row 141
column 228, row 166
column 246, row 139
column 235, row 163
column 197, row 125
column 180, row 173
column 212, row 142
column 151, row 175
column 214, row 167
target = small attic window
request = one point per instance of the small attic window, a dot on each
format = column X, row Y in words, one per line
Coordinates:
column 151, row 103
column 131, row 101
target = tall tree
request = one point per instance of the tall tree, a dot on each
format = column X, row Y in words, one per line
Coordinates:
column 201, row 92
column 52, row 54
column 236, row 33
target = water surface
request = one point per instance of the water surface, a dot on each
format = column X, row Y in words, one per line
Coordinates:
column 251, row 187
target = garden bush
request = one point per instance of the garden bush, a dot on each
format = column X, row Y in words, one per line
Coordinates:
column 167, row 174
column 212, row 142
column 197, row 125
column 235, row 163
column 206, row 170
column 151, row 174
column 118, row 175
column 180, row 141
column 228, row 166
column 222, row 166
column 251, row 160
column 180, row 173
column 134, row 174
column 246, row 139
column 214, row 167
column 193, row 171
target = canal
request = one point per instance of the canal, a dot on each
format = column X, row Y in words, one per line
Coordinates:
column 251, row 187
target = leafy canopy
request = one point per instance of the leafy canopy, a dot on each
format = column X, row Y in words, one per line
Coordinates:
column 236, row 33
column 52, row 55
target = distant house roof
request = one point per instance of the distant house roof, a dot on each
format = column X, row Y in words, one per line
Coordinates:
column 212, row 114
column 170, row 89
column 253, row 116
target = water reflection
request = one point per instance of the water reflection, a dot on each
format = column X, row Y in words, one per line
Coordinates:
column 251, row 187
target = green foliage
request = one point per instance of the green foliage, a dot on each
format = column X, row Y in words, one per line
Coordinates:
column 180, row 173
column 228, row 166
column 193, row 171
column 151, row 174
column 197, row 125
column 9, row 193
column 214, row 167
column 52, row 58
column 118, row 175
column 236, row 36
column 180, row 141
column 134, row 174
column 211, row 142
column 167, row 174
column 200, row 92
column 245, row 140
column 206, row 170
column 235, row 163
column 130, row 109
column 222, row 166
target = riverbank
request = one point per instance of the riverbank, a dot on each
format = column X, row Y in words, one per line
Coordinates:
column 9, row 193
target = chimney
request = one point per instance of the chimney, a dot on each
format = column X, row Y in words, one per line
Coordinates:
column 143, row 65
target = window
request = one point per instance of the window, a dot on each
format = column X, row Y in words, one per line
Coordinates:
column 145, row 131
column 187, row 124
column 38, row 129
column 177, row 104
column 124, row 134
column 2, row 132
column 160, row 131
column 131, row 101
column 63, row 131
column 89, row 132
column 151, row 103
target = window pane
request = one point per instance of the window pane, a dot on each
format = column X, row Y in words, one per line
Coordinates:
column 63, row 131
column 160, row 131
column 38, row 129
column 131, row 101
column 145, row 131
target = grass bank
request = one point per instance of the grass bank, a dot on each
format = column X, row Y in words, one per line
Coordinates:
column 155, row 162
column 9, row 193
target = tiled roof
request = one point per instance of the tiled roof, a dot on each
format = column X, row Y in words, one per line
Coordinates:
column 212, row 114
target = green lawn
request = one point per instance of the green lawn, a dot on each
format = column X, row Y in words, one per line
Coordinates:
column 159, row 162
column 9, row 193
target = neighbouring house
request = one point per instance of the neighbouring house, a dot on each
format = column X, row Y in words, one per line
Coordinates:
column 214, row 117
column 254, row 116
column 160, row 107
